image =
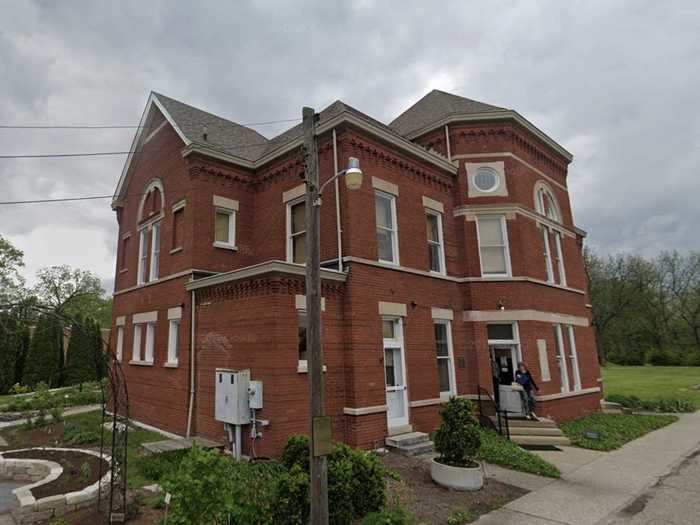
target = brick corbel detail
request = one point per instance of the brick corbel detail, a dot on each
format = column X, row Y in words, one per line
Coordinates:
column 273, row 285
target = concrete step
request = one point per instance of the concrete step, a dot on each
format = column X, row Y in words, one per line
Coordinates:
column 540, row 440
column 407, row 439
column 535, row 431
column 424, row 447
column 403, row 429
column 542, row 423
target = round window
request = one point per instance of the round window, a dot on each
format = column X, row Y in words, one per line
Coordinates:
column 486, row 179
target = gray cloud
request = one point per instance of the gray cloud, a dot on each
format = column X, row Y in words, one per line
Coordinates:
column 614, row 82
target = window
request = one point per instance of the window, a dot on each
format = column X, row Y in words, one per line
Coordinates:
column 178, row 225
column 225, row 228
column 174, row 328
column 124, row 256
column 387, row 241
column 120, row 342
column 155, row 251
column 301, row 339
column 545, row 202
column 554, row 259
column 296, row 232
column 501, row 332
column 143, row 255
column 436, row 252
column 486, row 179
column 136, row 351
column 573, row 356
column 561, row 358
column 445, row 365
column 493, row 246
column 559, row 259
column 150, row 342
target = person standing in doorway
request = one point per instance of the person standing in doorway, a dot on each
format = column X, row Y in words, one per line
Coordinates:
column 524, row 379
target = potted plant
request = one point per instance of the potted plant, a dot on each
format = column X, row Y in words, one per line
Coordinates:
column 457, row 441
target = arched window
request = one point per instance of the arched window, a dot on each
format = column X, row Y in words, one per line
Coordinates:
column 545, row 203
column 152, row 203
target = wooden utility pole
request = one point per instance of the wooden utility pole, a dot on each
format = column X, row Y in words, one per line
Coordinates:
column 320, row 425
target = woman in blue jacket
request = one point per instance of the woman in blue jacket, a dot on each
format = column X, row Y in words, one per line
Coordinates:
column 525, row 380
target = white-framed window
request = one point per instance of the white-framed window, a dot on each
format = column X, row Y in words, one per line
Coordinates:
column 224, row 228
column 445, row 357
column 436, row 247
column 155, row 251
column 559, row 258
column 303, row 363
column 553, row 258
column 136, row 350
column 561, row 358
column 173, row 335
column 545, row 203
column 493, row 246
column 296, row 231
column 120, row 342
column 143, row 255
column 150, row 342
column 573, row 356
column 486, row 179
column 387, row 229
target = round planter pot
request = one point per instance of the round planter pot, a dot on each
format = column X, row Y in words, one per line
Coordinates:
column 458, row 478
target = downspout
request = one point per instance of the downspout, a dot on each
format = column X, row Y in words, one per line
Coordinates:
column 447, row 141
column 337, row 204
column 192, row 339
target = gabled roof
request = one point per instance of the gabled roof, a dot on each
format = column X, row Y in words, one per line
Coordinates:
column 436, row 106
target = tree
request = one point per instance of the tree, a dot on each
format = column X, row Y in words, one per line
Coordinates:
column 45, row 357
column 66, row 290
column 11, row 282
column 84, row 348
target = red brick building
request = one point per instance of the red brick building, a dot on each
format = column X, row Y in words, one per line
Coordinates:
column 458, row 257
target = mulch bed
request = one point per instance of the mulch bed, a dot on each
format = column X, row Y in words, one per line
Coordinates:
column 74, row 476
column 431, row 503
column 45, row 436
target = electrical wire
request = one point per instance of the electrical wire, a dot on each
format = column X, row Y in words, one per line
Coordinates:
column 247, row 124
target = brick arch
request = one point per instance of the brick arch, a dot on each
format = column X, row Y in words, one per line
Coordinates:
column 152, row 200
column 542, row 194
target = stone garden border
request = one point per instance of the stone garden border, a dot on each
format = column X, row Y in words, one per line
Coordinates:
column 40, row 472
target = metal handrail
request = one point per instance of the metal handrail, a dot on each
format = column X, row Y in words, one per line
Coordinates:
column 503, row 426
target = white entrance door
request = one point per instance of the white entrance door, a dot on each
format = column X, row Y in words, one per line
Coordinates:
column 395, row 373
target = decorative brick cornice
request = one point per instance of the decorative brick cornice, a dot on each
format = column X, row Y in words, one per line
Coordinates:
column 263, row 286
column 218, row 175
column 384, row 158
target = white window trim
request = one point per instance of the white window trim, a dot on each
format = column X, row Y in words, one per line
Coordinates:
column 136, row 347
column 440, row 243
column 143, row 257
column 154, row 267
column 120, row 342
column 394, row 228
column 149, row 349
column 574, row 358
column 515, row 342
column 290, row 245
column 450, row 360
column 560, row 258
column 397, row 342
column 231, row 213
column 561, row 358
column 549, row 269
column 506, row 247
column 173, row 342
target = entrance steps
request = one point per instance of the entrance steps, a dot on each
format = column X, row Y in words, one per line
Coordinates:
column 410, row 443
column 544, row 432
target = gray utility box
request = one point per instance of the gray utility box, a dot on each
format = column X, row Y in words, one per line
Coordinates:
column 231, row 400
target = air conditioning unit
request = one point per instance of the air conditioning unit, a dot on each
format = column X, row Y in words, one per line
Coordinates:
column 231, row 400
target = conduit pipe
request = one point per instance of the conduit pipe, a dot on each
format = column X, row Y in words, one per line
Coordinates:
column 192, row 375
column 337, row 204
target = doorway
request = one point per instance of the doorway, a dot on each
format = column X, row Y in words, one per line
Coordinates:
column 395, row 373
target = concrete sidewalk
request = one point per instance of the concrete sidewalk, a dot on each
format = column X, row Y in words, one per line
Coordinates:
column 595, row 485
column 67, row 412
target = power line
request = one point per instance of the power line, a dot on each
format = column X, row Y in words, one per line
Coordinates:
column 67, row 199
column 11, row 126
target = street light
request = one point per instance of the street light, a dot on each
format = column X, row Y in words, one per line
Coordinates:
column 320, row 442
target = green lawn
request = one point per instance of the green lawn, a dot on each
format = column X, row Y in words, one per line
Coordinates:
column 613, row 430
column 653, row 382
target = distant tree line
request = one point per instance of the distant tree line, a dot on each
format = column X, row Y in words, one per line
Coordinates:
column 51, row 332
column 646, row 310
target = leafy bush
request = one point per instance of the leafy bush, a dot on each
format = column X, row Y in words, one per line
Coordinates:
column 390, row 516
column 75, row 434
column 498, row 450
column 296, row 452
column 19, row 389
column 56, row 414
column 292, row 498
column 653, row 405
column 658, row 357
column 156, row 466
column 458, row 438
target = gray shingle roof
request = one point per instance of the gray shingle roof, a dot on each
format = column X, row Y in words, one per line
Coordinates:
column 222, row 134
column 435, row 106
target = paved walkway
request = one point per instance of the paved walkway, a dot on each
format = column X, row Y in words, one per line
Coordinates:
column 66, row 412
column 596, row 486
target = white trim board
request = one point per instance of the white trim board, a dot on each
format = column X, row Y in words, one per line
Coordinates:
column 363, row 411
column 573, row 393
column 479, row 316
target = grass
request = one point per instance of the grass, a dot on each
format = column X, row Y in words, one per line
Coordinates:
column 85, row 433
column 653, row 382
column 87, row 394
column 614, row 430
column 499, row 451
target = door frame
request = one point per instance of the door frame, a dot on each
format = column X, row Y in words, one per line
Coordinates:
column 396, row 343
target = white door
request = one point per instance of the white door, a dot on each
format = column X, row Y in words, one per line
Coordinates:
column 395, row 373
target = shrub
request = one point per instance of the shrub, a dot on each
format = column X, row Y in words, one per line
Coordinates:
column 498, row 450
column 653, row 405
column 156, row 466
column 292, row 498
column 75, row 434
column 296, row 452
column 56, row 414
column 19, row 389
column 458, row 439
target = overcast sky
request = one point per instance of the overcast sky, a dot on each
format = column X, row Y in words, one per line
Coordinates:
column 617, row 83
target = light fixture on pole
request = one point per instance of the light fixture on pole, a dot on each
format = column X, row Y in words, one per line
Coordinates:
column 320, row 443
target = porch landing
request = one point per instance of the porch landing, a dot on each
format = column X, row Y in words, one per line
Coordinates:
column 167, row 445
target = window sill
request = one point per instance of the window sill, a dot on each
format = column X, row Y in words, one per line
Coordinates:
column 435, row 272
column 496, row 276
column 224, row 246
column 141, row 363
column 176, row 250
column 123, row 270
column 303, row 368
column 171, row 364
column 446, row 396
column 388, row 263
